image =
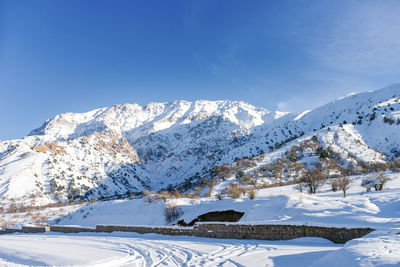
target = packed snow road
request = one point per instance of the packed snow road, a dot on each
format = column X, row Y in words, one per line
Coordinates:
column 130, row 249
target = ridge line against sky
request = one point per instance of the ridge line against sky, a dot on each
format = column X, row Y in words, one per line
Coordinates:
column 75, row 56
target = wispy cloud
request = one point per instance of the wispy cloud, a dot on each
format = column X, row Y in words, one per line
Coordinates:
column 342, row 47
column 363, row 39
column 283, row 106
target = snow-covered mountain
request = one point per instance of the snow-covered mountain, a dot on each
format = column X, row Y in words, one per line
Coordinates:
column 129, row 148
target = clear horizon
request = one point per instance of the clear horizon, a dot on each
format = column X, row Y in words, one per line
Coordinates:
column 76, row 56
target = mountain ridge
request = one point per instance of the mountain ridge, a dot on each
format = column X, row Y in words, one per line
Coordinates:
column 179, row 142
column 146, row 113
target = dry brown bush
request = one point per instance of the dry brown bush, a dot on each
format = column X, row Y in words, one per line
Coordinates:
column 24, row 155
column 164, row 195
column 379, row 166
column 39, row 219
column 177, row 194
column 234, row 191
column 225, row 171
column 149, row 196
column 334, row 185
column 251, row 193
column 245, row 163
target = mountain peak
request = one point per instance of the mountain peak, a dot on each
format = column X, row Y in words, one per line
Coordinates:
column 155, row 116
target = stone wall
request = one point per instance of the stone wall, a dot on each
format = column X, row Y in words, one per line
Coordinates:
column 33, row 229
column 243, row 231
column 146, row 229
column 25, row 229
column 218, row 230
column 71, row 229
column 279, row 232
column 9, row 231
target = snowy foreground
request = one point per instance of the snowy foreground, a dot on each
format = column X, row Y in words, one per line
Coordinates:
column 130, row 249
column 280, row 205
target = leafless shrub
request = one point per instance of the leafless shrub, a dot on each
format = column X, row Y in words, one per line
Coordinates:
column 24, row 155
column 39, row 219
column 248, row 179
column 211, row 183
column 223, row 172
column 395, row 165
column 269, row 185
column 245, row 163
column 334, row 185
column 300, row 187
column 377, row 167
column 363, row 165
column 149, row 197
column 176, row 194
column 234, row 191
column 349, row 169
column 6, row 223
column 277, row 168
column 219, row 196
column 197, row 191
column 382, row 179
column 171, row 212
column 251, row 193
column 375, row 182
column 164, row 195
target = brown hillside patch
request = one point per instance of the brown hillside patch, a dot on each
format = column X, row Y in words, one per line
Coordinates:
column 114, row 144
column 55, row 148
column 41, row 148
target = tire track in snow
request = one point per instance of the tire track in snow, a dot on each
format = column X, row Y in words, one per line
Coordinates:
column 146, row 251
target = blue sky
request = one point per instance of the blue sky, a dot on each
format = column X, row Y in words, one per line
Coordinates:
column 74, row 56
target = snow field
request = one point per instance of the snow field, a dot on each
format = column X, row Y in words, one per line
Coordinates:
column 129, row 249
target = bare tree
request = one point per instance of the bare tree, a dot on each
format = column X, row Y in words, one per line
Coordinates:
column 343, row 184
column 381, row 180
column 313, row 179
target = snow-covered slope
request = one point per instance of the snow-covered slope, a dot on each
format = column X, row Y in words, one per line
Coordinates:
column 129, row 148
column 364, row 111
column 101, row 164
column 277, row 205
